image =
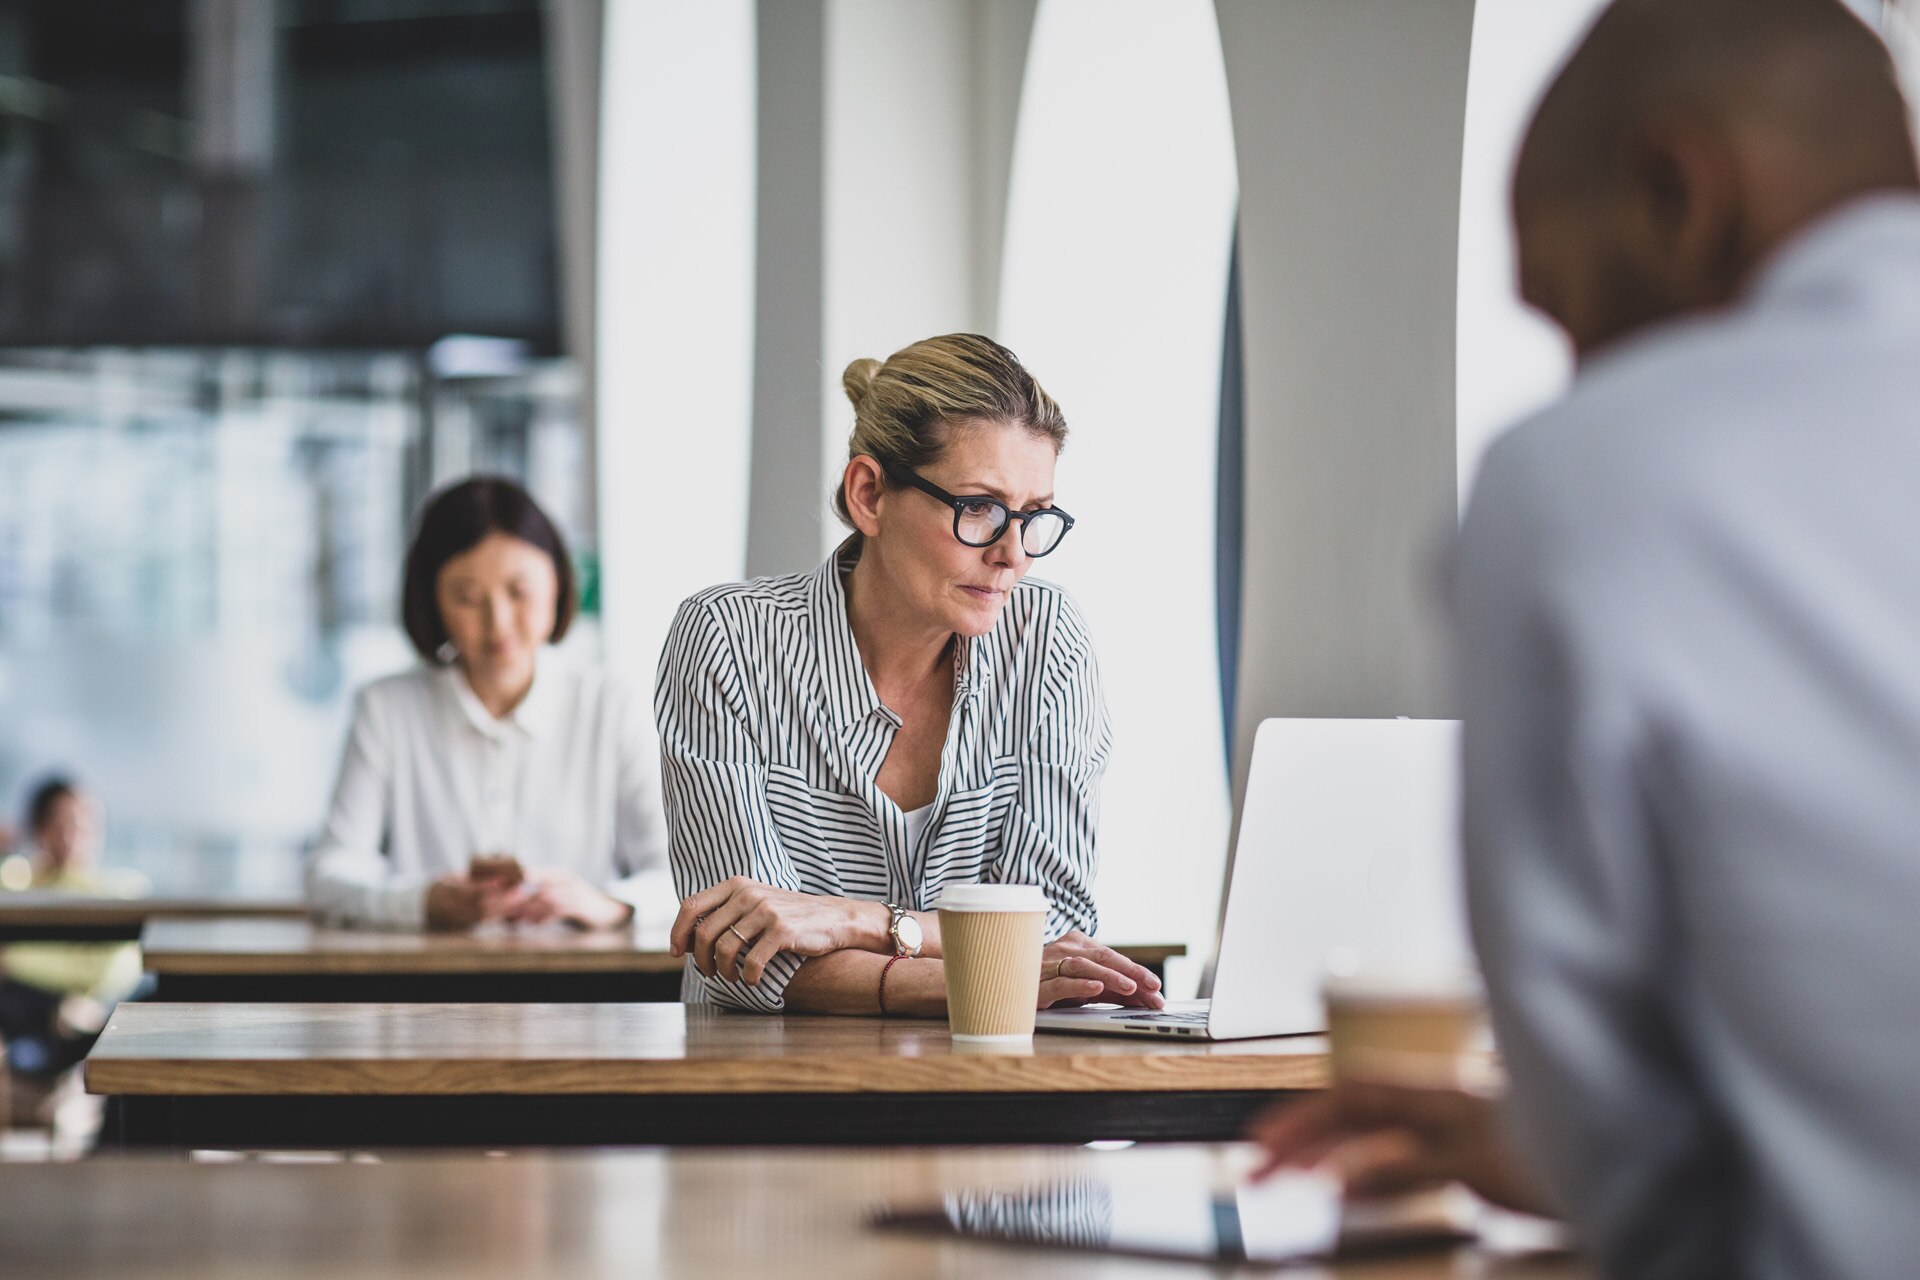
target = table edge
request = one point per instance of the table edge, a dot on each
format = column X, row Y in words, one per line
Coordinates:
column 1066, row 1074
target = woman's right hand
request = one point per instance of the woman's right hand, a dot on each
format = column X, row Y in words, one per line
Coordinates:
column 736, row 928
column 1077, row 970
column 457, row 902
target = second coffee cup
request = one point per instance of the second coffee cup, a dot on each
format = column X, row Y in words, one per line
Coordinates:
column 991, row 936
column 1414, row 1030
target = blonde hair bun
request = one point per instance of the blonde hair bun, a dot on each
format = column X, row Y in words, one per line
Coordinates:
column 857, row 381
column 902, row 408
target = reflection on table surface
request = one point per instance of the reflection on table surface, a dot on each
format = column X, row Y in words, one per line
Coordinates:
column 738, row 1213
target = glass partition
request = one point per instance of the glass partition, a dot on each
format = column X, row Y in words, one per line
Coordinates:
column 200, row 559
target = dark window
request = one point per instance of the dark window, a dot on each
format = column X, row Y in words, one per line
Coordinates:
column 378, row 173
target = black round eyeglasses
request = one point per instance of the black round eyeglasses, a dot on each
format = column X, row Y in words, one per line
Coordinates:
column 979, row 521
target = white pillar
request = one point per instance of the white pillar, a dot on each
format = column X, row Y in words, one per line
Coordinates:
column 674, row 308
column 1901, row 24
column 1348, row 119
column 911, row 123
column 231, row 90
column 575, row 56
column 1511, row 359
column 886, row 139
column 1119, row 233
column 786, row 513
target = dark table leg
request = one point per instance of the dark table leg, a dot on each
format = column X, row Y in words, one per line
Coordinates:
column 883, row 1119
column 70, row 932
column 418, row 988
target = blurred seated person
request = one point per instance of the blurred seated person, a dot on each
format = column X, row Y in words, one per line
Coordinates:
column 55, row 996
column 499, row 780
column 1687, row 599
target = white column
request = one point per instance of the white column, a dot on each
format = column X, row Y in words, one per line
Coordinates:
column 1114, row 290
column 232, row 63
column 575, row 55
column 787, row 512
column 674, row 309
column 1511, row 359
column 1348, row 116
column 886, row 132
column 1901, row 24
column 919, row 101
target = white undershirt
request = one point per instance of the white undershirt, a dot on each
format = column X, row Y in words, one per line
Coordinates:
column 917, row 824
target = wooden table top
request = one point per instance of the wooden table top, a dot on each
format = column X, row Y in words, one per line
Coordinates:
column 803, row 1215
column 69, row 910
column 545, row 1049
column 281, row 946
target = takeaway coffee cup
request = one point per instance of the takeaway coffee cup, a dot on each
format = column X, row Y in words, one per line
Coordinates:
column 990, row 937
column 1415, row 1030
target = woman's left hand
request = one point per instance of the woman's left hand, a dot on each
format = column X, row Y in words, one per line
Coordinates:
column 735, row 929
column 553, row 893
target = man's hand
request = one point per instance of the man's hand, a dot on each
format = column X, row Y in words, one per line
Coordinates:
column 1077, row 970
column 1381, row 1139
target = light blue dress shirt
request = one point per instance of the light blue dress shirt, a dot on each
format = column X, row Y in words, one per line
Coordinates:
column 1689, row 650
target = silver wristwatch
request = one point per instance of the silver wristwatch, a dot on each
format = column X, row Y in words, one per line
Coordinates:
column 905, row 931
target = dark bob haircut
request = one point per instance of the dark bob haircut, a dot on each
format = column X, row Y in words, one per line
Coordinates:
column 455, row 521
column 47, row 793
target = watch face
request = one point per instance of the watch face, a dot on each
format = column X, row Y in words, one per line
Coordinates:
column 910, row 934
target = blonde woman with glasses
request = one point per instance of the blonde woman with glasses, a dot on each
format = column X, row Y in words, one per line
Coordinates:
column 838, row 746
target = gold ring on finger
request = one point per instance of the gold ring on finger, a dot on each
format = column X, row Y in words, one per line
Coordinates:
column 745, row 941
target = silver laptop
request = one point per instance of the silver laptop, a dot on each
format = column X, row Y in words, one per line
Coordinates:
column 1349, row 846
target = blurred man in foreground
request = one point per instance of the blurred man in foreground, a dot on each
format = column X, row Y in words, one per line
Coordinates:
column 1688, row 602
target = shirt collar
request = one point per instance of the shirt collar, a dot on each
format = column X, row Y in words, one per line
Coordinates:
column 1867, row 249
column 845, row 686
column 533, row 717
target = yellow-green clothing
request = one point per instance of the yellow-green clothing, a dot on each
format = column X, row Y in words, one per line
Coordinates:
column 104, row 970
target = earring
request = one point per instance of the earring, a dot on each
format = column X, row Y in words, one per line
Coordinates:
column 447, row 654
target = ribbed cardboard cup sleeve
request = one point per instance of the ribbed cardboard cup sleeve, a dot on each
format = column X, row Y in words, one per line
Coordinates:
column 991, row 937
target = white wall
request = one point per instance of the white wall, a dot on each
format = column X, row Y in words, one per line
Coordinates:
column 674, row 311
column 1901, row 24
column 1114, row 294
column 1511, row 359
column 900, row 225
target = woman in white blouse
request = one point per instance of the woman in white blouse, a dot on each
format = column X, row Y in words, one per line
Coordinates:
column 497, row 749
column 840, row 745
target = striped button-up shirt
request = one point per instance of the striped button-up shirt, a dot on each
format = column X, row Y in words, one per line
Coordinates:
column 772, row 736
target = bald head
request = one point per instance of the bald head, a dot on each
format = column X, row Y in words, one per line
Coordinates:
column 1685, row 140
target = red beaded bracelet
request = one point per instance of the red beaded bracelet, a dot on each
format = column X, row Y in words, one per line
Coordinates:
column 882, row 997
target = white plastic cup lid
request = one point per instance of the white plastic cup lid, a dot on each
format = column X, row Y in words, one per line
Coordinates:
column 1404, row 987
column 992, row 897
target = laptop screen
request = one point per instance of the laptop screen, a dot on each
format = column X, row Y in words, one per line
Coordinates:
column 1348, row 855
